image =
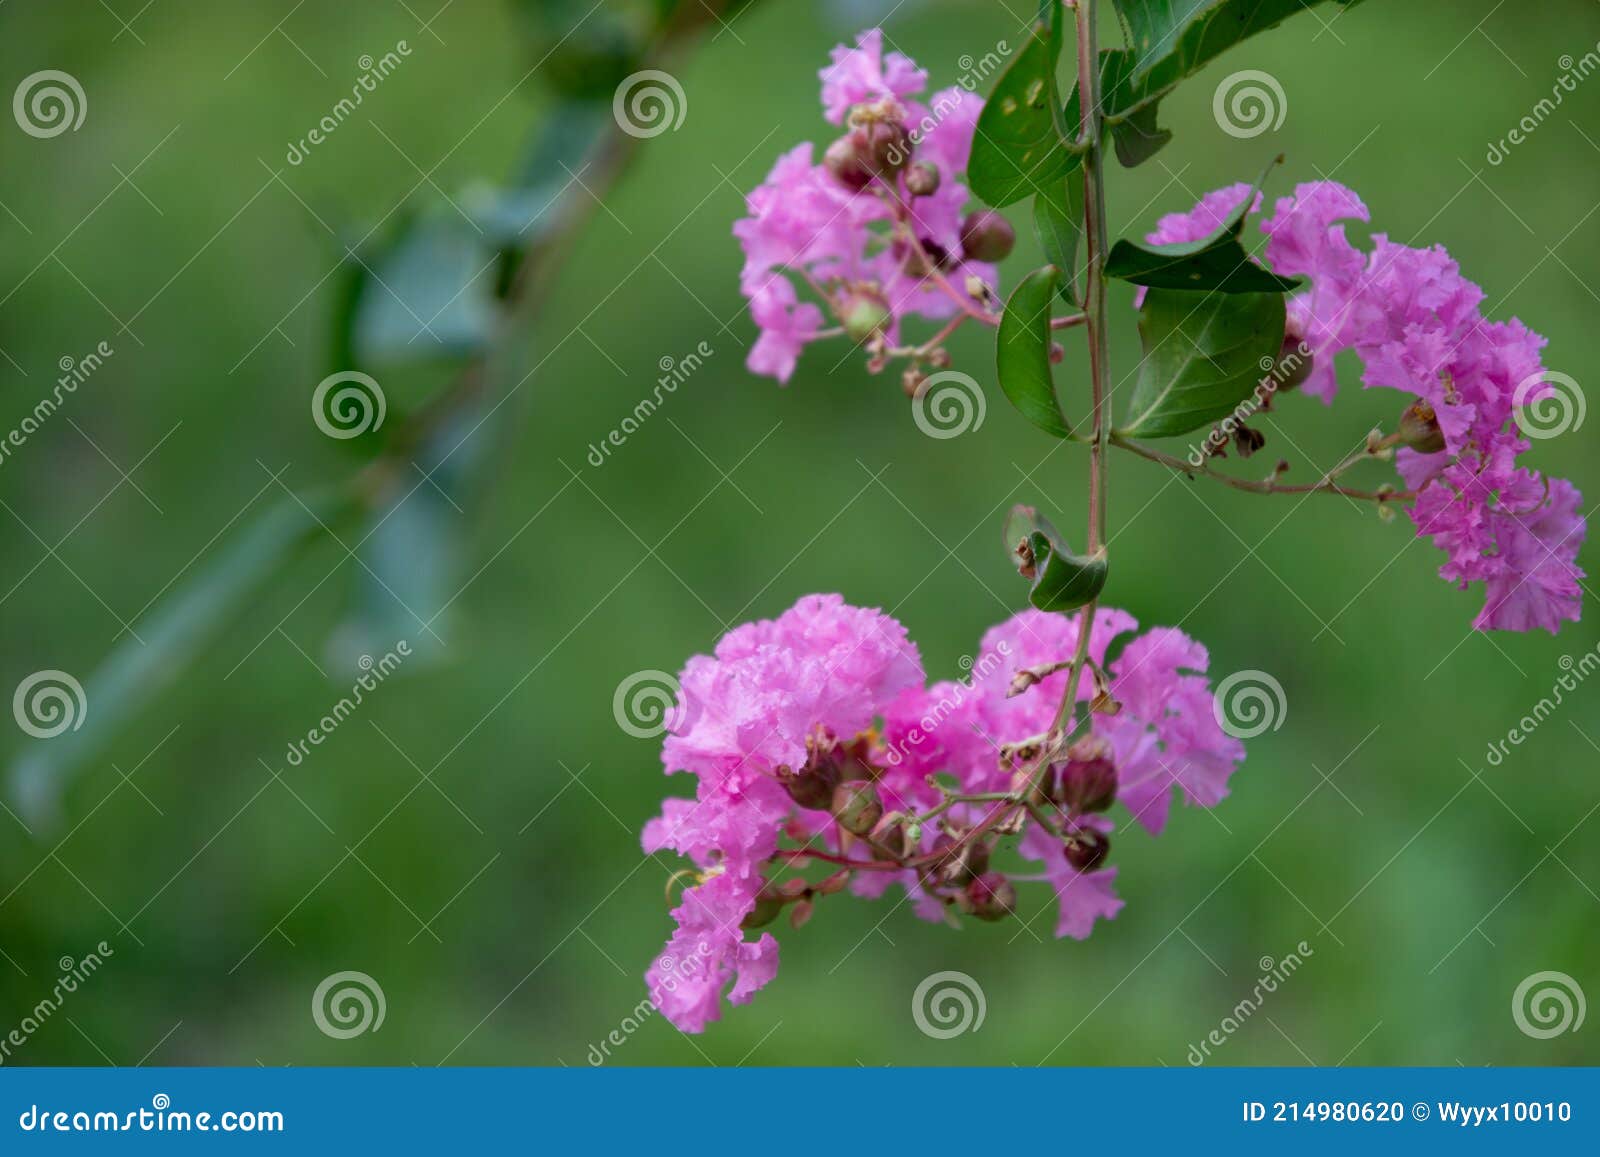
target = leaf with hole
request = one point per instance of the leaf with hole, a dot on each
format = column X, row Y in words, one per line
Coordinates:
column 1018, row 147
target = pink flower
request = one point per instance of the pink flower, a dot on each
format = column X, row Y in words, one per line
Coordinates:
column 822, row 668
column 861, row 74
column 849, row 239
column 786, row 326
column 1416, row 323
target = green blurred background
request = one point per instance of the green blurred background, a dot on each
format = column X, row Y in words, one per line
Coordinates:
column 470, row 838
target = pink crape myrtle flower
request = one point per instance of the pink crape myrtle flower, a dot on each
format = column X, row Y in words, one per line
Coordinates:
column 1417, row 326
column 1165, row 737
column 795, row 726
column 877, row 228
column 822, row 667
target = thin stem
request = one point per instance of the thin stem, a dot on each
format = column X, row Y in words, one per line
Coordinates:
column 1266, row 485
column 1094, row 309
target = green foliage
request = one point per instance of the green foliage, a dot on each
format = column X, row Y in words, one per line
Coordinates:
column 1218, row 262
column 1022, row 352
column 1062, row 581
column 1058, row 221
column 1019, row 147
column 1168, row 41
column 1203, row 355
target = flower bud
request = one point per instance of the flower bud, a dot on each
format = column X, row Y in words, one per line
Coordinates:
column 1087, row 849
column 883, row 147
column 922, row 180
column 767, row 910
column 846, row 164
column 911, row 382
column 987, row 236
column 1419, row 429
column 1293, row 367
column 922, row 263
column 864, row 314
column 1087, row 782
column 812, row 786
column 857, row 807
column 990, row 897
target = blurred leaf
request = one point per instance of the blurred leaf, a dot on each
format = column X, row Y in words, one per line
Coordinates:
column 1058, row 220
column 1062, row 581
column 1018, row 147
column 1203, row 354
column 410, row 549
column 172, row 635
column 429, row 295
column 1022, row 352
column 1218, row 262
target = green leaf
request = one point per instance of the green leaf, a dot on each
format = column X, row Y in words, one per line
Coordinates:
column 1062, row 581
column 1058, row 220
column 1169, row 40
column 1018, row 147
column 169, row 639
column 1022, row 352
column 1203, row 355
column 1218, row 262
column 428, row 296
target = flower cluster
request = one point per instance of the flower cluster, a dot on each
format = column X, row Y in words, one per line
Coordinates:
column 1417, row 326
column 877, row 229
column 778, row 730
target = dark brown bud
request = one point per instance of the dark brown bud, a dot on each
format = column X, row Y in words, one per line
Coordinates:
column 1087, row 849
column 922, row 262
column 987, row 236
column 1419, row 429
column 857, row 807
column 812, row 786
column 990, row 897
column 883, row 147
column 1087, row 782
column 846, row 164
column 922, row 180
column 1247, row 440
column 911, row 381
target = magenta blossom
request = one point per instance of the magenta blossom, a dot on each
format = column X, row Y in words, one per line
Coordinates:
column 779, row 730
column 1417, row 326
column 877, row 229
